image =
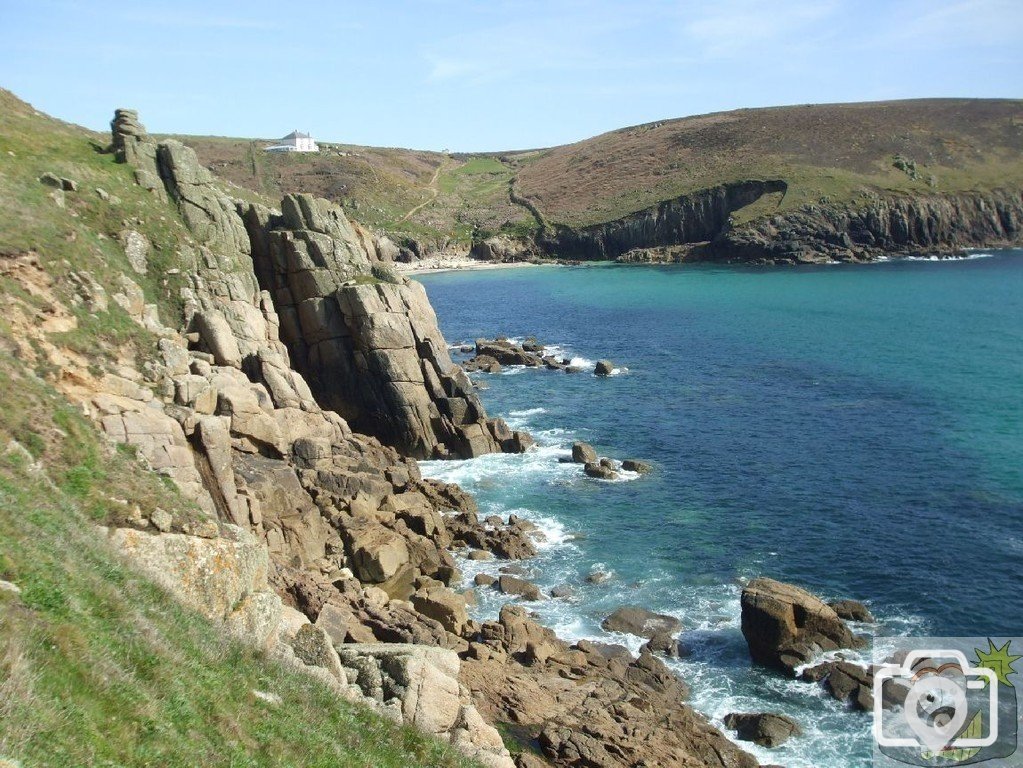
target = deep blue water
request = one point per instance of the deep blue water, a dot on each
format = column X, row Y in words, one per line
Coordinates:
column 857, row 430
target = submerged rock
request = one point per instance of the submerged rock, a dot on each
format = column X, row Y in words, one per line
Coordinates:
column 511, row 585
column 635, row 465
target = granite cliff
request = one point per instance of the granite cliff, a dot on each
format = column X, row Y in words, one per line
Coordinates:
column 302, row 535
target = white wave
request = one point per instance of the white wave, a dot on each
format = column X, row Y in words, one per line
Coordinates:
column 527, row 412
column 582, row 363
column 968, row 256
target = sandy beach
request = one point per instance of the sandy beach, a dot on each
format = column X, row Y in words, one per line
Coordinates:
column 451, row 263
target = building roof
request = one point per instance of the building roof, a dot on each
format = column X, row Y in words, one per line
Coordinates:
column 297, row 135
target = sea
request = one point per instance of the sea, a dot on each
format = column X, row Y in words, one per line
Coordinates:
column 853, row 429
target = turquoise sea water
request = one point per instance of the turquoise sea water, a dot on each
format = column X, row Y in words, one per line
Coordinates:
column 857, row 430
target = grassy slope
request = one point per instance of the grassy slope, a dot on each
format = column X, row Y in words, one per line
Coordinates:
column 837, row 153
column 98, row 666
column 464, row 194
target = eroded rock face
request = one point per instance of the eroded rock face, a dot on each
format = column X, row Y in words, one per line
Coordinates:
column 371, row 348
column 899, row 224
column 223, row 579
column 697, row 227
column 786, row 626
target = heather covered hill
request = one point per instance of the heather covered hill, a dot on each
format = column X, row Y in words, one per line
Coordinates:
column 835, row 152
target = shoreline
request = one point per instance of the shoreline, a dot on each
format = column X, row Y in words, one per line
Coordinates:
column 434, row 265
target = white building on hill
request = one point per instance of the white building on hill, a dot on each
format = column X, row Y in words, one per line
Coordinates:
column 295, row 142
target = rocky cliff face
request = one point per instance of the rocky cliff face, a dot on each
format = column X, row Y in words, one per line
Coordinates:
column 693, row 218
column 319, row 542
column 902, row 224
column 366, row 339
column 699, row 227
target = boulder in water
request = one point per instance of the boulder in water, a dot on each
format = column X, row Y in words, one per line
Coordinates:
column 786, row 626
column 764, row 728
column 635, row 465
column 852, row 610
column 583, row 453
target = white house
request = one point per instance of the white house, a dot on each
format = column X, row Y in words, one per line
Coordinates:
column 295, row 142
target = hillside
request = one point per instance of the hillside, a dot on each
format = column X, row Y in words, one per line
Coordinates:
column 216, row 544
column 427, row 196
column 98, row 665
column 833, row 152
column 834, row 157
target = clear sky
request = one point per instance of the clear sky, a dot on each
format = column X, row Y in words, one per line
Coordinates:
column 493, row 74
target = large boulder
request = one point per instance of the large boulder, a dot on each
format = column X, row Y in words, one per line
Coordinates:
column 512, row 585
column 785, row 626
column 851, row 683
column 377, row 553
column 443, row 605
column 424, row 684
column 634, row 620
column 224, row 579
column 765, row 728
column 583, row 453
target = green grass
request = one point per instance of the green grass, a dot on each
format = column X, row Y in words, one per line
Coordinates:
column 99, row 667
column 83, row 235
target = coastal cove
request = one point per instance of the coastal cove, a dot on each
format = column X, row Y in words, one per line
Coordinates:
column 849, row 428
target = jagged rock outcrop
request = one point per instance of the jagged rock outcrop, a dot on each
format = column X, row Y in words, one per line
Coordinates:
column 131, row 144
column 502, row 248
column 370, row 348
column 586, row 708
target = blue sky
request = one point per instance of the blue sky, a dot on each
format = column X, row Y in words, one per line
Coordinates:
column 497, row 74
